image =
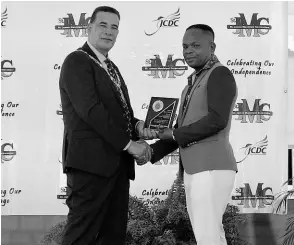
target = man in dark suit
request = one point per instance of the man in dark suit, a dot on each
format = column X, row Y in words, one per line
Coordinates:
column 100, row 134
column 201, row 133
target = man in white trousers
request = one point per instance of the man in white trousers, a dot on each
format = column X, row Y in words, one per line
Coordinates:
column 201, row 133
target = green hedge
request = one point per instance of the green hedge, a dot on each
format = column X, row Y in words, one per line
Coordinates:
column 161, row 223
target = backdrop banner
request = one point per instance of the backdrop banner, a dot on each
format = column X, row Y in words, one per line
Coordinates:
column 251, row 40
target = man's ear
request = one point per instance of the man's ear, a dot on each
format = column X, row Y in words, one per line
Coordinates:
column 213, row 46
column 89, row 27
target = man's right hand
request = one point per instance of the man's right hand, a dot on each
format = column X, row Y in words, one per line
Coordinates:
column 141, row 152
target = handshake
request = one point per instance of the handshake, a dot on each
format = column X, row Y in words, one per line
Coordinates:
column 141, row 150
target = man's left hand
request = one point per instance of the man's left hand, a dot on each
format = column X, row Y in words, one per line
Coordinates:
column 165, row 134
column 146, row 133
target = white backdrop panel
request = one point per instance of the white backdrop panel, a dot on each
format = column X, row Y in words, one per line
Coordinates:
column 37, row 50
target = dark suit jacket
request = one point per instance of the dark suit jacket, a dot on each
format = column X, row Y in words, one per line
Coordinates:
column 94, row 127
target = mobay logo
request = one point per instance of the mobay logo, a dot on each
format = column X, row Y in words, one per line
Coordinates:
column 259, row 148
column 263, row 196
column 4, row 17
column 7, row 68
column 171, row 67
column 259, row 113
column 171, row 20
column 69, row 27
column 259, row 26
column 7, row 152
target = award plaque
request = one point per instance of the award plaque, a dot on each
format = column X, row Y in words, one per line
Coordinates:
column 161, row 112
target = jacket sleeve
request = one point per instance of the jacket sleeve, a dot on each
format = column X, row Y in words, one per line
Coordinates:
column 161, row 148
column 221, row 90
column 77, row 75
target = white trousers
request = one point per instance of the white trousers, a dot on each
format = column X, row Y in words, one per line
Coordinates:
column 207, row 196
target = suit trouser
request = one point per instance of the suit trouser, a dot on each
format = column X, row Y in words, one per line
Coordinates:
column 207, row 196
column 98, row 208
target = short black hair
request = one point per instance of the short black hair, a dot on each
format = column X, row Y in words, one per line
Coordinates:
column 104, row 9
column 202, row 27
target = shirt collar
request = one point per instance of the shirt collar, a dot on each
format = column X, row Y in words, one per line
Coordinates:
column 100, row 56
column 210, row 63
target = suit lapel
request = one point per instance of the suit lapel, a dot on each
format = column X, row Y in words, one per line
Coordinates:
column 182, row 103
column 194, row 86
column 197, row 85
column 89, row 51
column 107, row 79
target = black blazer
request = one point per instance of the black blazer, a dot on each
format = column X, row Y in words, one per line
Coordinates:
column 94, row 127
